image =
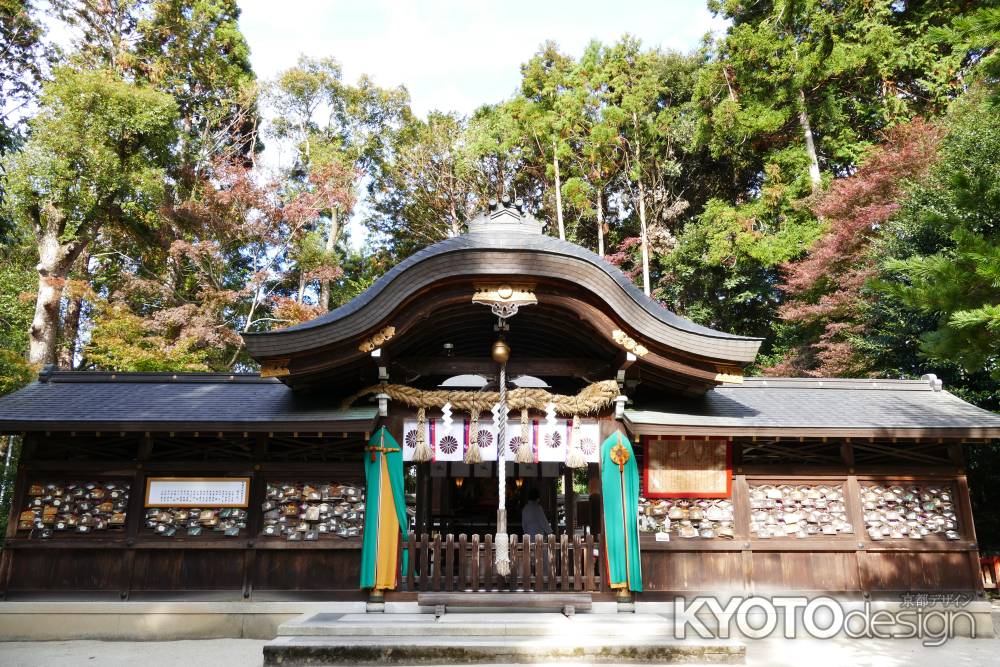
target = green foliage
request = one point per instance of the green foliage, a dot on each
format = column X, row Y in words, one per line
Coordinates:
column 124, row 341
column 193, row 50
column 957, row 280
column 95, row 157
column 17, row 282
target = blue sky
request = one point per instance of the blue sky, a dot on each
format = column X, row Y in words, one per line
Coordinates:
column 454, row 55
column 450, row 55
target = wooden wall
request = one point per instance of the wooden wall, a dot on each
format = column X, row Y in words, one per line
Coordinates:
column 134, row 565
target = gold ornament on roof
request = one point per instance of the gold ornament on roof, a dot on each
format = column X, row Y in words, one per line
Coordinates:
column 505, row 298
column 274, row 368
column 629, row 343
column 729, row 374
column 377, row 339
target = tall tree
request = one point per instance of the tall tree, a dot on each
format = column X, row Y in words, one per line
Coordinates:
column 337, row 127
column 427, row 191
column 547, row 116
column 23, row 58
column 825, row 289
column 95, row 161
column 959, row 284
column 194, row 51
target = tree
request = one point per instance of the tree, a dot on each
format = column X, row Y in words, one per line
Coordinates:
column 546, row 116
column 105, row 31
column 959, row 283
column 23, row 58
column 193, row 50
column 95, row 161
column 825, row 289
column 340, row 128
column 427, row 191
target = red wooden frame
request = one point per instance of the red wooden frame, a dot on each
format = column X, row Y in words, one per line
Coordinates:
column 647, row 441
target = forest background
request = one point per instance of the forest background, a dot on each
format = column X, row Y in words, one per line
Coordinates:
column 825, row 175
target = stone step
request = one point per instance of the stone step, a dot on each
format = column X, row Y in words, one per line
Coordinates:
column 472, row 649
column 477, row 624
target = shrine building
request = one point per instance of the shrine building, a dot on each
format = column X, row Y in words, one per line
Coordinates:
column 485, row 371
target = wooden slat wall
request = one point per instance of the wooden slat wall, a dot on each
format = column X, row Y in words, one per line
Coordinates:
column 132, row 565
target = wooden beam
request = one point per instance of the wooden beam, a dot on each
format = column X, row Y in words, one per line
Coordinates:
column 516, row 366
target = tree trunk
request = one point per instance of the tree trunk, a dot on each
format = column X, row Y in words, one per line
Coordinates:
column 559, row 215
column 644, row 238
column 456, row 224
column 71, row 319
column 54, row 262
column 302, row 286
column 814, row 175
column 331, row 245
column 600, row 222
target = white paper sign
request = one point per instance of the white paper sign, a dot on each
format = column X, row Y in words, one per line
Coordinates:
column 197, row 491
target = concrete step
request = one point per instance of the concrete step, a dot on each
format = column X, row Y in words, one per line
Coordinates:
column 629, row 626
column 472, row 649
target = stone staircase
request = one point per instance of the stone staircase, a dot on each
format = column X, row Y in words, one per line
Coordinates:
column 470, row 638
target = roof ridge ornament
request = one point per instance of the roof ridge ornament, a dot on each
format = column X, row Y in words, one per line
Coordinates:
column 506, row 214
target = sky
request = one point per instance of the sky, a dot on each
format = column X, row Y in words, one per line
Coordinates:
column 455, row 55
column 451, row 55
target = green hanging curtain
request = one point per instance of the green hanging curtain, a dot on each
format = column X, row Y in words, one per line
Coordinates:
column 385, row 512
column 620, row 493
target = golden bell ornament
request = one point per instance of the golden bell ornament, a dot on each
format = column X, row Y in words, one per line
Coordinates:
column 500, row 351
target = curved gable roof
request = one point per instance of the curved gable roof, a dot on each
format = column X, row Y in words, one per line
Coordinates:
column 504, row 243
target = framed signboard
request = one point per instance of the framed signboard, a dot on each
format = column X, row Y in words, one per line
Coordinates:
column 676, row 468
column 197, row 491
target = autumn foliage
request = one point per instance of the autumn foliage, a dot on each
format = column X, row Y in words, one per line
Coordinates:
column 825, row 287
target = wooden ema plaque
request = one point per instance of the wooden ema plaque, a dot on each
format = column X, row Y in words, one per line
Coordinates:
column 197, row 491
column 676, row 468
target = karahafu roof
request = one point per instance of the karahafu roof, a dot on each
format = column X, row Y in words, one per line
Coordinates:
column 67, row 401
column 818, row 407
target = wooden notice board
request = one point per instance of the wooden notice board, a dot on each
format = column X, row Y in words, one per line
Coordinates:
column 197, row 491
column 676, row 468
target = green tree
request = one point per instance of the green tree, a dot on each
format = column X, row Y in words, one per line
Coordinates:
column 342, row 131
column 427, row 191
column 95, row 162
column 958, row 282
column 193, row 50
column 23, row 57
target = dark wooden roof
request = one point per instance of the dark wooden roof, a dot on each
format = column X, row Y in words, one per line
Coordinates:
column 766, row 407
column 817, row 407
column 582, row 298
column 68, row 401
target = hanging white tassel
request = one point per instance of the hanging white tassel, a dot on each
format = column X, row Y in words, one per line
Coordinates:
column 575, row 458
column 422, row 453
column 503, row 554
column 472, row 454
column 524, row 452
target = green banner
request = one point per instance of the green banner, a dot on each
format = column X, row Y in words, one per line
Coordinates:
column 620, row 492
column 385, row 512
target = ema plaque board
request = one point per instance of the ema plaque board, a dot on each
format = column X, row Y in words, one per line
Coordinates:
column 197, row 491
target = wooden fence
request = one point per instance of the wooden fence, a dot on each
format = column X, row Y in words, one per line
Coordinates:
column 536, row 564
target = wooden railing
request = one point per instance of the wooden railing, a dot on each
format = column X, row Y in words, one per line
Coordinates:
column 536, row 564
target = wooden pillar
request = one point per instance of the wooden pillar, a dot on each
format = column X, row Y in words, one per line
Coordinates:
column 423, row 498
column 569, row 497
column 594, row 487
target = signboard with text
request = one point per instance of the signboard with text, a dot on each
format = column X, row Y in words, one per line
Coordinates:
column 197, row 491
column 681, row 468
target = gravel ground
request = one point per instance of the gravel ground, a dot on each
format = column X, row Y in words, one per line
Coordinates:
column 765, row 653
